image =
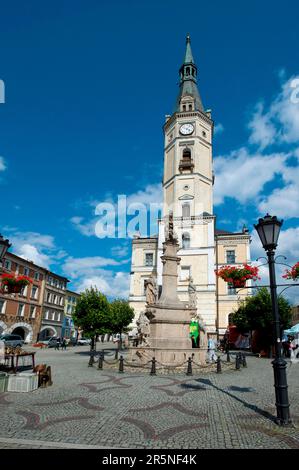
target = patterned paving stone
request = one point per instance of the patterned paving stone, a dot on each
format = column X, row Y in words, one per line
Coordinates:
column 103, row 408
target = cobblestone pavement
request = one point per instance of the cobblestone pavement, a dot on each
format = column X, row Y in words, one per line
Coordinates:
column 90, row 408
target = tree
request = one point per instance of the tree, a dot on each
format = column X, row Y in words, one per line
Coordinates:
column 121, row 316
column 255, row 313
column 92, row 314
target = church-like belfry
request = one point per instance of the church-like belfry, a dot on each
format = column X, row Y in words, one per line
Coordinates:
column 188, row 193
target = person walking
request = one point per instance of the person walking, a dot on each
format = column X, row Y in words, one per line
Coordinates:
column 63, row 344
column 211, row 350
column 57, row 345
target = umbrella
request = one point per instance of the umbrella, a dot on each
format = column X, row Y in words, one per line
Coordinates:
column 295, row 329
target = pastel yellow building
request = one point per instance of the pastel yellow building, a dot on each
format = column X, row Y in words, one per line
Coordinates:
column 188, row 180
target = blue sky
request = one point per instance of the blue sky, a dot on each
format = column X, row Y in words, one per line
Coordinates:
column 87, row 86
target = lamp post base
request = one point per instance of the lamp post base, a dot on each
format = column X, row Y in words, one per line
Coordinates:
column 281, row 392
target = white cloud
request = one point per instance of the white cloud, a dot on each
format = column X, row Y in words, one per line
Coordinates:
column 287, row 246
column 242, row 175
column 110, row 284
column 89, row 271
column 152, row 194
column 218, row 129
column 86, row 228
column 280, row 123
column 2, row 164
column 262, row 130
column 78, row 267
column 31, row 253
column 34, row 246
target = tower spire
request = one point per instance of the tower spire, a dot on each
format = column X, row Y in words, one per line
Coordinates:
column 188, row 80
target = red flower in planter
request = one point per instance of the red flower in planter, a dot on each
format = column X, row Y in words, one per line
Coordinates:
column 292, row 273
column 14, row 283
column 238, row 276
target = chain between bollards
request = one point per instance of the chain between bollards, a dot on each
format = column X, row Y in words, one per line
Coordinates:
column 153, row 368
column 189, row 367
column 121, row 364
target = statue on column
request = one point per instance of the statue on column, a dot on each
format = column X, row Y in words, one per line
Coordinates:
column 150, row 290
column 192, row 294
column 143, row 328
column 169, row 228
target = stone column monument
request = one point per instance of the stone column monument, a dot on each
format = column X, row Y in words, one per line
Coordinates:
column 168, row 340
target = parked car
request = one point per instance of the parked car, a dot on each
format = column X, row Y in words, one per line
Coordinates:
column 84, row 341
column 50, row 342
column 12, row 340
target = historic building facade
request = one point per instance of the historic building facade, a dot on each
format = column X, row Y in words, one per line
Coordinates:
column 38, row 311
column 53, row 305
column 21, row 314
column 68, row 327
column 188, row 180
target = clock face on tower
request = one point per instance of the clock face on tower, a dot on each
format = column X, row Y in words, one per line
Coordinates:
column 186, row 129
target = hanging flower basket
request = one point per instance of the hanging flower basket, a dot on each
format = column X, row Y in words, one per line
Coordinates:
column 14, row 284
column 292, row 273
column 238, row 276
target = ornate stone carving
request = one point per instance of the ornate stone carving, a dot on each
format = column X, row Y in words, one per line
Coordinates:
column 151, row 291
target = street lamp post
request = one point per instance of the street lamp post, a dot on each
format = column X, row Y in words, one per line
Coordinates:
column 4, row 245
column 268, row 229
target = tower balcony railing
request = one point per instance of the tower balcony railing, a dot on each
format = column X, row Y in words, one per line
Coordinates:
column 186, row 165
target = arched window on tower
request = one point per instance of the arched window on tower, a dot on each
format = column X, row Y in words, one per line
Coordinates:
column 188, row 71
column 190, row 107
column 186, row 209
column 184, row 107
column 186, row 163
column 185, row 241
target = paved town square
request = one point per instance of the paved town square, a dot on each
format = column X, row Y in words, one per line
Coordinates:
column 90, row 408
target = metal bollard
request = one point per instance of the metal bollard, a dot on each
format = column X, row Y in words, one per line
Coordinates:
column 244, row 362
column 153, row 369
column 101, row 358
column 91, row 361
column 227, row 355
column 218, row 365
column 189, row 368
column 237, row 361
column 121, row 364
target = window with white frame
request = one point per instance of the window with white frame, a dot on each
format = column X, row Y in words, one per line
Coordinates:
column 36, row 276
column 53, row 315
column 2, row 306
column 23, row 291
column 58, row 316
column 231, row 290
column 61, row 300
column 186, row 209
column 185, row 273
column 185, row 241
column 46, row 315
column 26, row 271
column 149, row 259
column 230, row 256
column 7, row 264
column 49, row 297
column 34, row 292
column 21, row 310
column 32, row 311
